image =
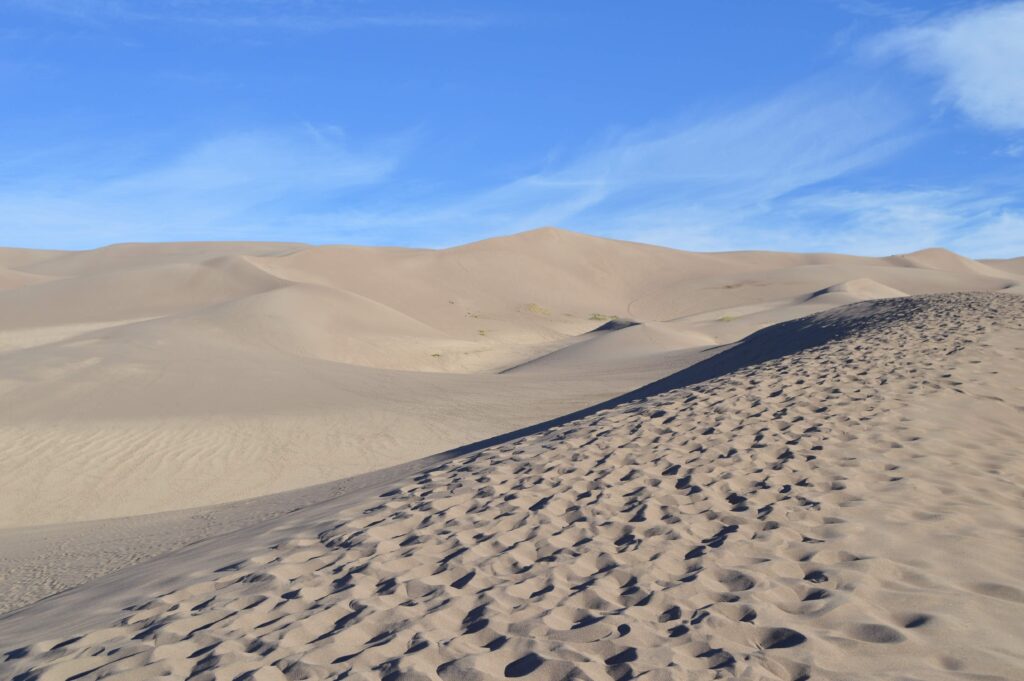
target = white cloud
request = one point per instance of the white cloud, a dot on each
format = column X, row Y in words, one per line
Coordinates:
column 723, row 164
column 979, row 56
column 886, row 222
column 1015, row 150
column 804, row 136
column 758, row 178
column 227, row 187
column 971, row 222
column 266, row 164
column 1000, row 237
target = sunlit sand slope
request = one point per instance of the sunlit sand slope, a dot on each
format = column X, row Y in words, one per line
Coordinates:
column 836, row 497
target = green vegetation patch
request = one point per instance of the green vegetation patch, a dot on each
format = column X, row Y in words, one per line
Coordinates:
column 534, row 308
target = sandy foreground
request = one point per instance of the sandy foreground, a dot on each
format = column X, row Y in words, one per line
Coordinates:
column 836, row 497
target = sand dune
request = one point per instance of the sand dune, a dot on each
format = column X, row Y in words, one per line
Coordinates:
column 142, row 378
column 16, row 279
column 138, row 256
column 944, row 261
column 855, row 290
column 1015, row 265
column 836, row 496
column 25, row 257
column 616, row 345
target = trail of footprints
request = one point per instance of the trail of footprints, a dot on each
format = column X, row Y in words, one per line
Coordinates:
column 688, row 535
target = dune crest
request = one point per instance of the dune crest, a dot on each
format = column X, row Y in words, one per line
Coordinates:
column 857, row 289
column 191, row 374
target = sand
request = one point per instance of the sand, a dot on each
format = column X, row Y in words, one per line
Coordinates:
column 544, row 455
column 146, row 378
column 835, row 497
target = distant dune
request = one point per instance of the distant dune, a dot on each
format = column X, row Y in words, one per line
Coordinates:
column 140, row 378
column 837, row 496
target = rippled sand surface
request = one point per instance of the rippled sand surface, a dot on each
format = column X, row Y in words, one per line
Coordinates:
column 835, row 497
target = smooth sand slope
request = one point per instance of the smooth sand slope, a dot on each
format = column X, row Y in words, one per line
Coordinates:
column 836, row 497
column 143, row 378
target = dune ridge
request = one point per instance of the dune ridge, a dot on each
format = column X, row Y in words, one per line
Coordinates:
column 187, row 375
column 834, row 497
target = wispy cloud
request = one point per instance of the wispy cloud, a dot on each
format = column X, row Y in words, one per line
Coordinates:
column 1014, row 150
column 999, row 237
column 884, row 222
column 977, row 54
column 652, row 179
column 772, row 175
column 307, row 16
column 975, row 222
column 230, row 186
column 878, row 10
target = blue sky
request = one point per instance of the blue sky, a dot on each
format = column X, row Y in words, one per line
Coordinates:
column 810, row 125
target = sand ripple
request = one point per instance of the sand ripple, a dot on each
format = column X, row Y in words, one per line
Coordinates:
column 838, row 507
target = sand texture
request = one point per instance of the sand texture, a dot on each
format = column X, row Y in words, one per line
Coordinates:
column 835, row 497
column 146, row 378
